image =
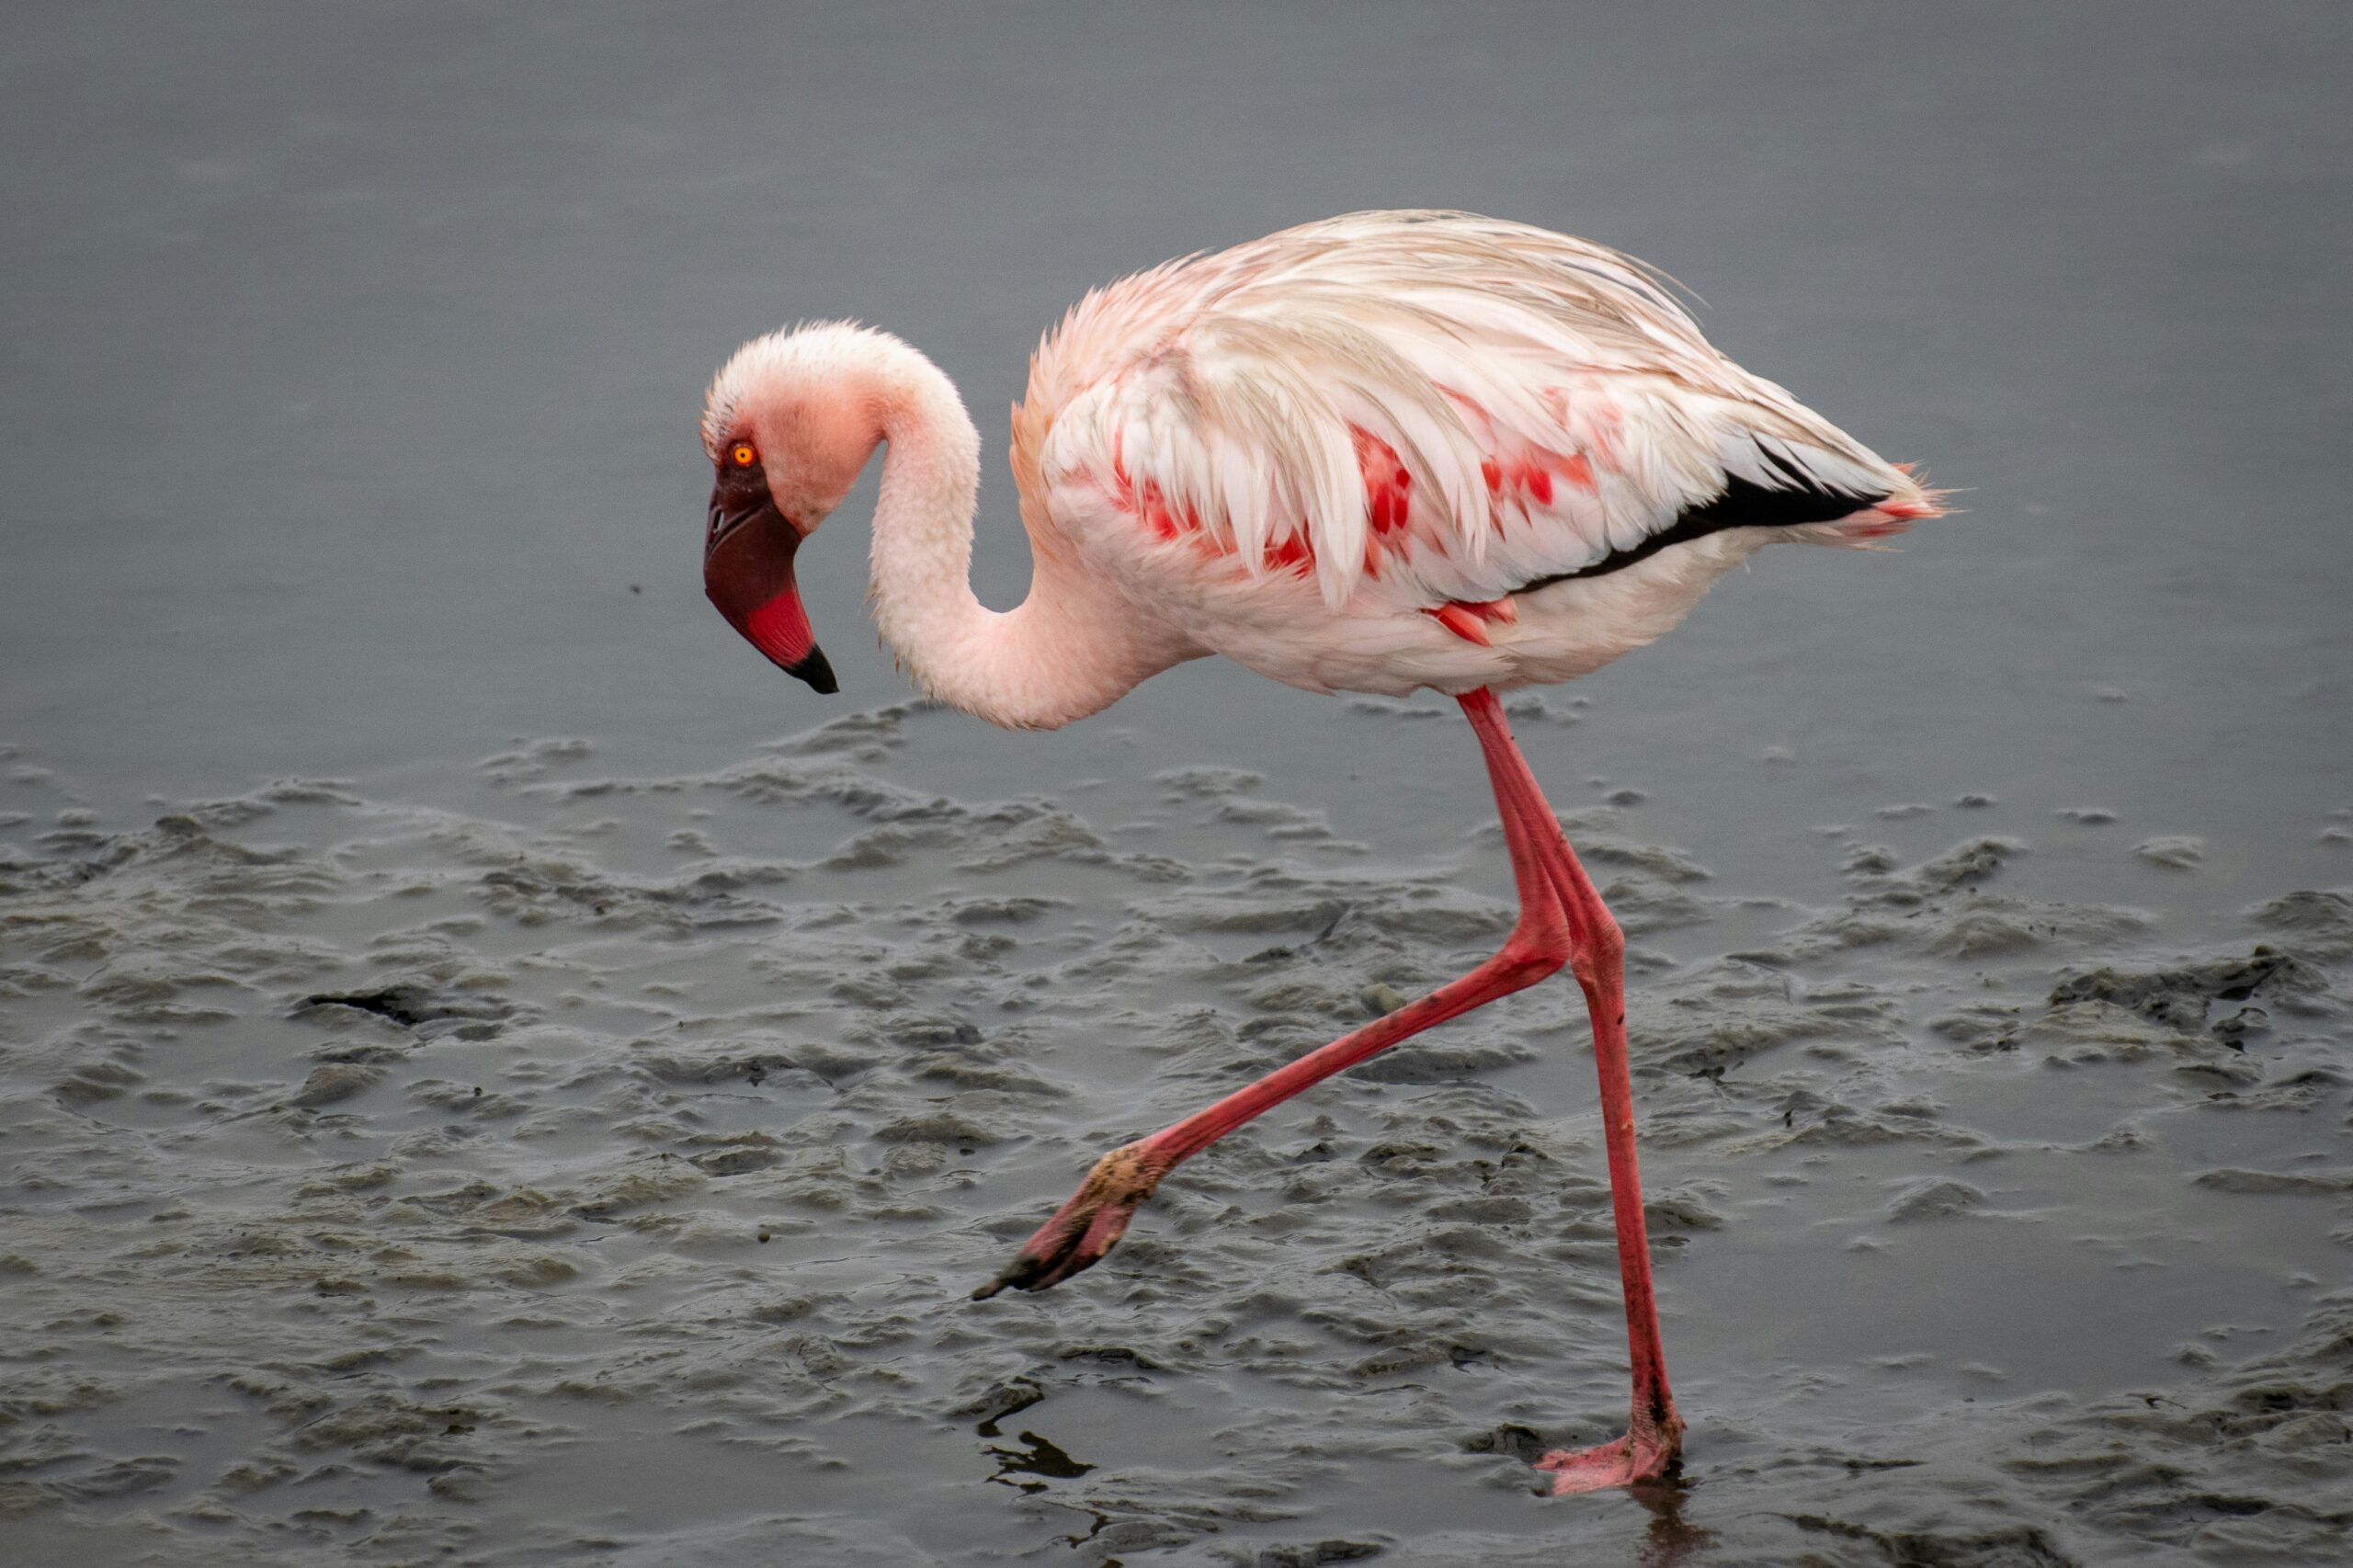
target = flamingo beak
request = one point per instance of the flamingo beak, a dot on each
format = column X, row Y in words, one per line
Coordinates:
column 747, row 574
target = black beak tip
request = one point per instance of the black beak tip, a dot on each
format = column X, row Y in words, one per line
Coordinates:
column 816, row 672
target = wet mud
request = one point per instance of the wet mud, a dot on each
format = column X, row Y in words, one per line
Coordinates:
column 591, row 1167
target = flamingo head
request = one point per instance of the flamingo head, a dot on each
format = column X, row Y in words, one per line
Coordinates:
column 788, row 424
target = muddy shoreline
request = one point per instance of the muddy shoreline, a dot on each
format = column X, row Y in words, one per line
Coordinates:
column 577, row 1183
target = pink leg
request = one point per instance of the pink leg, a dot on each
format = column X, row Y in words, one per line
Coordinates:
column 1085, row 1228
column 1654, row 1433
column 1562, row 920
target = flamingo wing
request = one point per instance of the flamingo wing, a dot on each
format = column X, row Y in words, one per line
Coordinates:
column 1432, row 408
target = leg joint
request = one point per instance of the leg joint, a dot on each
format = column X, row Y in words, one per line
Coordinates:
column 1600, row 955
column 1526, row 960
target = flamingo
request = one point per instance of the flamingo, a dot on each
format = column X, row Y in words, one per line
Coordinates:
column 1380, row 452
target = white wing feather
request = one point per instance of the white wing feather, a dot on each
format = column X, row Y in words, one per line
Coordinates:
column 1237, row 383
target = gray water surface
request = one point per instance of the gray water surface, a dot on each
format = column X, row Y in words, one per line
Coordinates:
column 703, row 1042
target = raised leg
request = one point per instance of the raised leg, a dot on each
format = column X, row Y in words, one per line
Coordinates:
column 1087, row 1227
column 1655, row 1432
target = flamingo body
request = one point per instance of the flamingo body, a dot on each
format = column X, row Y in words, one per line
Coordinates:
column 1306, row 449
column 1385, row 451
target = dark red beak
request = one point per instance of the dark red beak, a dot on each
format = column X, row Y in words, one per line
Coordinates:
column 747, row 572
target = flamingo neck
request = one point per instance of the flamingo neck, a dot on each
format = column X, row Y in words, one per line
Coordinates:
column 1064, row 652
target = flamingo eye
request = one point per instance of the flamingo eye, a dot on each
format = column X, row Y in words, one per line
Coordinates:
column 742, row 455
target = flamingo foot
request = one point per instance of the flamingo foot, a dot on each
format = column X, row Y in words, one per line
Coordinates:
column 1631, row 1460
column 1087, row 1227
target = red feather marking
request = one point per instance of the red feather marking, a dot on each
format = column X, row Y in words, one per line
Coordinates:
column 1388, row 487
column 1463, row 622
column 1154, row 509
column 1294, row 553
column 1470, row 622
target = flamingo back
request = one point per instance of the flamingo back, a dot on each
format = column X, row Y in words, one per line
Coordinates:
column 1413, row 410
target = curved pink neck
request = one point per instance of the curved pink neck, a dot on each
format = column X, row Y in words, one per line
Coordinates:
column 1070, row 648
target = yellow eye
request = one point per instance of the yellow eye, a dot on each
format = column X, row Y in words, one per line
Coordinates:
column 742, row 455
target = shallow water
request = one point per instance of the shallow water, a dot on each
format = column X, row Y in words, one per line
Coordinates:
column 599, row 1170
column 418, row 1143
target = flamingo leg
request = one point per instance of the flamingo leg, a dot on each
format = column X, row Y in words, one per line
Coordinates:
column 1563, row 921
column 1085, row 1228
column 1654, row 1440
